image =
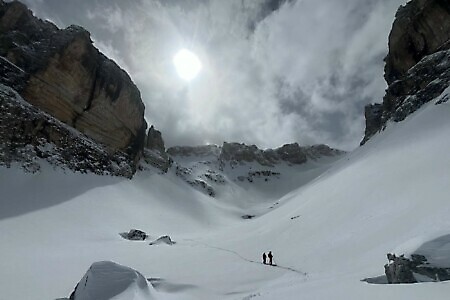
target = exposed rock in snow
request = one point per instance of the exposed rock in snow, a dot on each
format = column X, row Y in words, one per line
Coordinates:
column 107, row 280
column 429, row 263
column 416, row 269
column 134, row 235
column 155, row 159
column 165, row 239
column 400, row 270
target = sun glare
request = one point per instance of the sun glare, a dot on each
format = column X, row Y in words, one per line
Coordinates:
column 187, row 64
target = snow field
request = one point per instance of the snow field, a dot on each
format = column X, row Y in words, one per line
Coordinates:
column 390, row 195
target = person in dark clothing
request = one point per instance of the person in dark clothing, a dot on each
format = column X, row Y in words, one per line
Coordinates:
column 264, row 258
column 270, row 256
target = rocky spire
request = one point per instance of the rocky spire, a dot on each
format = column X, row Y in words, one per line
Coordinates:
column 154, row 140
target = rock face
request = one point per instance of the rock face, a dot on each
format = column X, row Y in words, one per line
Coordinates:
column 63, row 74
column 418, row 64
column 27, row 133
column 237, row 153
column 289, row 153
column 155, row 151
column 154, row 140
column 421, row 28
column 405, row 270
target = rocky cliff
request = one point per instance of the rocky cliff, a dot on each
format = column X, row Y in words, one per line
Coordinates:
column 31, row 138
column 236, row 153
column 63, row 74
column 418, row 63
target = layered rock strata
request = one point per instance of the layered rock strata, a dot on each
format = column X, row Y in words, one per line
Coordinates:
column 63, row 74
column 30, row 138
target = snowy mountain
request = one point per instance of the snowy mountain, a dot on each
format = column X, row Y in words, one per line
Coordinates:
column 208, row 213
column 391, row 195
column 233, row 169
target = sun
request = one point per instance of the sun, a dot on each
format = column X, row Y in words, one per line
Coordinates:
column 187, row 64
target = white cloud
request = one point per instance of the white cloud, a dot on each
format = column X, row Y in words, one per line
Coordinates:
column 302, row 73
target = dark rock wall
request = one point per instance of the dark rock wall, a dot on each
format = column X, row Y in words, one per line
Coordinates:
column 155, row 152
column 27, row 133
column 421, row 27
column 62, row 73
column 418, row 64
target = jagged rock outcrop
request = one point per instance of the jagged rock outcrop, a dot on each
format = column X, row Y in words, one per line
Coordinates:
column 289, row 153
column 198, row 151
column 405, row 270
column 29, row 136
column 240, row 153
column 417, row 67
column 155, row 151
column 246, row 153
column 63, row 74
column 154, row 140
column 421, row 28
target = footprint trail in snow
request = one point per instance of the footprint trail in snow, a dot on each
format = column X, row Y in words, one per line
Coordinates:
column 304, row 274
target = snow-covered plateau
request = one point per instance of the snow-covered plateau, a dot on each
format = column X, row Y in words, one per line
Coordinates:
column 390, row 195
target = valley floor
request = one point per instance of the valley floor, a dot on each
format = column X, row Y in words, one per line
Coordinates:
column 392, row 195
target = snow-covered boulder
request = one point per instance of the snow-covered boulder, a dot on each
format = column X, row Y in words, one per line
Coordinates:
column 165, row 239
column 107, row 280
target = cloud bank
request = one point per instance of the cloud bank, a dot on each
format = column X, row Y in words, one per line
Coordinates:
column 274, row 71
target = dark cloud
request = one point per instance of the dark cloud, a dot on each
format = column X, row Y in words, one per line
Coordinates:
column 274, row 71
column 266, row 8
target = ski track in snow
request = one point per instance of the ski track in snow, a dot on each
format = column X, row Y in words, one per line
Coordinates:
column 303, row 274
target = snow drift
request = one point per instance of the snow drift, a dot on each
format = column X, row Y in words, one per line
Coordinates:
column 106, row 280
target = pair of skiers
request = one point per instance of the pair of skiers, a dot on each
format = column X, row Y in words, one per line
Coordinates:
column 269, row 256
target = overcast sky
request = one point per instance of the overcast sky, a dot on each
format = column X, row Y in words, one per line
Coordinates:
column 274, row 71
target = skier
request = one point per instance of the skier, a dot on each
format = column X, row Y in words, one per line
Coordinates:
column 270, row 256
column 264, row 258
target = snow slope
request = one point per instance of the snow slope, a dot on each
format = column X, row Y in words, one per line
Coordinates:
column 390, row 195
column 248, row 187
column 107, row 280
